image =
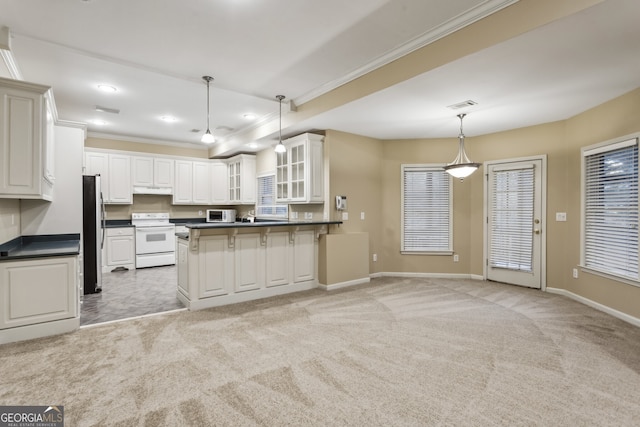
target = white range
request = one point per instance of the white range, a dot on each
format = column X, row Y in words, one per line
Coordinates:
column 155, row 239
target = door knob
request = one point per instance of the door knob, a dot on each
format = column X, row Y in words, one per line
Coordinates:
column 536, row 231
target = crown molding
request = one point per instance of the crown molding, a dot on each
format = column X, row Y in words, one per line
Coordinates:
column 467, row 18
column 127, row 138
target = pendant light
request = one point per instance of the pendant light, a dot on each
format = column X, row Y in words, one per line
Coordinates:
column 280, row 148
column 461, row 167
column 207, row 138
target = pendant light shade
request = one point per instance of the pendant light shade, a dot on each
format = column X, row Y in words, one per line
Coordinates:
column 280, row 148
column 207, row 138
column 461, row 167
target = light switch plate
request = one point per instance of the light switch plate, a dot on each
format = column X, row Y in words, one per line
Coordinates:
column 345, row 216
column 561, row 216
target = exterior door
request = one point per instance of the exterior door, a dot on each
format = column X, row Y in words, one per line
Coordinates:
column 515, row 222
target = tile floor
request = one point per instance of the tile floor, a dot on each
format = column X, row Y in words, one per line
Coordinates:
column 132, row 293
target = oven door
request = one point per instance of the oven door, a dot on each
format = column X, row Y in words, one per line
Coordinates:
column 157, row 239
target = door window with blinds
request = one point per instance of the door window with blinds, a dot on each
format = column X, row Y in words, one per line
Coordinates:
column 266, row 206
column 511, row 222
column 610, row 209
column 426, row 210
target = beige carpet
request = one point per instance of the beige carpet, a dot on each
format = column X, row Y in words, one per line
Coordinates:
column 391, row 353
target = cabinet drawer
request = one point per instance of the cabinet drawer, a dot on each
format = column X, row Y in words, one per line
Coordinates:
column 115, row 232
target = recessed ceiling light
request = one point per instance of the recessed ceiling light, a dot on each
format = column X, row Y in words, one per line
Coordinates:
column 107, row 88
column 168, row 119
column 249, row 116
column 99, row 122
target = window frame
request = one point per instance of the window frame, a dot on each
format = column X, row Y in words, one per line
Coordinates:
column 429, row 167
column 604, row 147
column 275, row 204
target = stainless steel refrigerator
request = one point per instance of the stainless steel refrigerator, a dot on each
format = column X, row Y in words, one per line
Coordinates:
column 93, row 219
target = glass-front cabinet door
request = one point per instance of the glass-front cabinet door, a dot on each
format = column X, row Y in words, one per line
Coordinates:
column 282, row 175
column 297, row 172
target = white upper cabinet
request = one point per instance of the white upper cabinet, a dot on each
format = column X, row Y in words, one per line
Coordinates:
column 192, row 183
column 219, row 183
column 300, row 170
column 115, row 170
column 152, row 172
column 241, row 179
column 26, row 163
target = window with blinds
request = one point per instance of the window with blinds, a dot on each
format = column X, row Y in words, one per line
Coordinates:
column 266, row 205
column 610, row 202
column 511, row 213
column 426, row 209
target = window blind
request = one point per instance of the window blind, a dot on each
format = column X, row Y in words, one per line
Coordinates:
column 512, row 210
column 426, row 210
column 611, row 209
column 266, row 203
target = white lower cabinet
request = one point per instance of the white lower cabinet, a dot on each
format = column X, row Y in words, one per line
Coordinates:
column 120, row 248
column 278, row 260
column 224, row 266
column 214, row 261
column 37, row 291
column 248, row 262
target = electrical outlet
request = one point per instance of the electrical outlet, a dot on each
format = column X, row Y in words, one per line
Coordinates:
column 362, row 216
column 456, row 258
column 345, row 216
column 308, row 215
column 294, row 215
column 199, row 213
column 575, row 273
column 375, row 257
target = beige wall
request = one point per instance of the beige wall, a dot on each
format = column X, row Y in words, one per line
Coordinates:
column 9, row 219
column 355, row 171
column 561, row 143
column 160, row 149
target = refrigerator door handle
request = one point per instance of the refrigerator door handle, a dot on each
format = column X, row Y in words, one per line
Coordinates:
column 104, row 221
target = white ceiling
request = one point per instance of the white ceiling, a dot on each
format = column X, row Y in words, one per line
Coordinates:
column 156, row 51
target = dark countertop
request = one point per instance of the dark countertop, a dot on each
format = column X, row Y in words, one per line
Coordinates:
column 117, row 223
column 50, row 245
column 257, row 224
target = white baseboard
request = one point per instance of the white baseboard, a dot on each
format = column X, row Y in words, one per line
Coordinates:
column 39, row 330
column 344, row 284
column 432, row 275
column 586, row 301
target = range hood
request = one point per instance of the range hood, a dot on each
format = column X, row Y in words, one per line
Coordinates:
column 152, row 190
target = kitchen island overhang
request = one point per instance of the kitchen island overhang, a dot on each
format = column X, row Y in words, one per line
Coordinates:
column 227, row 263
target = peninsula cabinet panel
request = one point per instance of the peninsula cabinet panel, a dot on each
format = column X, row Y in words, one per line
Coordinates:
column 248, row 256
column 304, row 255
column 215, row 260
column 277, row 259
column 37, row 291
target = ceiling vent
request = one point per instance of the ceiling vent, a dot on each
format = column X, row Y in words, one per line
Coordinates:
column 107, row 110
column 463, row 104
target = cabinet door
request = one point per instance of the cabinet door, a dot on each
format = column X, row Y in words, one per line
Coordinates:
column 297, row 172
column 215, row 266
column 219, row 187
column 182, row 262
column 248, row 180
column 201, row 183
column 277, row 259
column 98, row 164
column 22, row 122
column 163, row 172
column 304, row 256
column 120, row 179
column 234, row 181
column 247, row 258
column 282, row 176
column 183, row 186
column 39, row 290
column 120, row 247
column 142, row 170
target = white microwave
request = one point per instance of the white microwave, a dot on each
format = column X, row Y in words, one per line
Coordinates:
column 221, row 215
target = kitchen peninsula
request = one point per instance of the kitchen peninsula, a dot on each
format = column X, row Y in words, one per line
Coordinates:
column 225, row 263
